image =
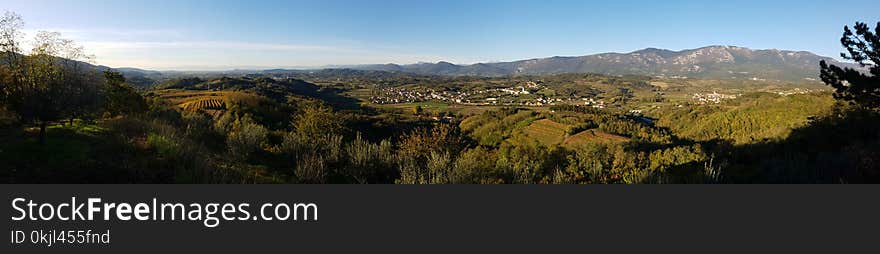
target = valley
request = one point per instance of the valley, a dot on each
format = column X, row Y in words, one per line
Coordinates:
column 715, row 114
column 358, row 126
column 645, row 128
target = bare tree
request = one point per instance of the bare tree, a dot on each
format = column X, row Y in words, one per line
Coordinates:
column 10, row 34
column 48, row 84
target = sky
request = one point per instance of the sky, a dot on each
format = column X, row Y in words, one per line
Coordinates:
column 223, row 34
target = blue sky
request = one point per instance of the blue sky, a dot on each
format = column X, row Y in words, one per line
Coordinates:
column 212, row 35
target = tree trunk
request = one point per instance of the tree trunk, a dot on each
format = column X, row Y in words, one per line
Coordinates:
column 70, row 122
column 43, row 132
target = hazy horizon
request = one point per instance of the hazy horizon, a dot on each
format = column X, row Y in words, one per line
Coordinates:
column 225, row 35
column 342, row 66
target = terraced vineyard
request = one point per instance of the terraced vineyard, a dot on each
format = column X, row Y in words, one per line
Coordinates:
column 204, row 104
column 192, row 101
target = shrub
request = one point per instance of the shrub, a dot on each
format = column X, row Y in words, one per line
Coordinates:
column 475, row 166
column 369, row 162
column 311, row 169
column 165, row 146
column 246, row 139
column 439, row 168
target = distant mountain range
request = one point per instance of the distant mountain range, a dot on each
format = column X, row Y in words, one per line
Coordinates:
column 713, row 62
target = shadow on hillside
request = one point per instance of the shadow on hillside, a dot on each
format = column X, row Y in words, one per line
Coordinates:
column 338, row 101
column 72, row 154
column 840, row 148
column 843, row 147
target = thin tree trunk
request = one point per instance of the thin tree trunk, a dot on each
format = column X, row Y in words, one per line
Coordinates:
column 43, row 132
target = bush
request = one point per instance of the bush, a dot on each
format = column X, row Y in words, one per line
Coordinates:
column 311, row 169
column 246, row 139
column 165, row 146
column 369, row 162
column 439, row 168
column 475, row 166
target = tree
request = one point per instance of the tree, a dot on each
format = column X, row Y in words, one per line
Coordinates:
column 10, row 32
column 622, row 95
column 83, row 97
column 369, row 162
column 38, row 98
column 48, row 84
column 317, row 123
column 246, row 138
column 49, row 88
column 422, row 147
column 122, row 99
column 850, row 84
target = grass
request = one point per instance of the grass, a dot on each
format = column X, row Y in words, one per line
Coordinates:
column 546, row 131
column 430, row 104
column 68, row 151
column 80, row 153
column 426, row 105
column 593, row 136
column 79, row 128
column 435, row 107
column 551, row 133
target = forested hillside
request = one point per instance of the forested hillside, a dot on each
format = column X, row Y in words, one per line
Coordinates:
column 760, row 117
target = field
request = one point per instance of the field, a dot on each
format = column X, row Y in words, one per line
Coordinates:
column 433, row 107
column 546, row 131
column 427, row 105
column 592, row 137
column 551, row 133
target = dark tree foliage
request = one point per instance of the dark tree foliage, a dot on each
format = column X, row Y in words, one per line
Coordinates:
column 851, row 84
column 121, row 98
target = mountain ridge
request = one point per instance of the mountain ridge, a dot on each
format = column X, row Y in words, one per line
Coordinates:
column 710, row 62
column 714, row 62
